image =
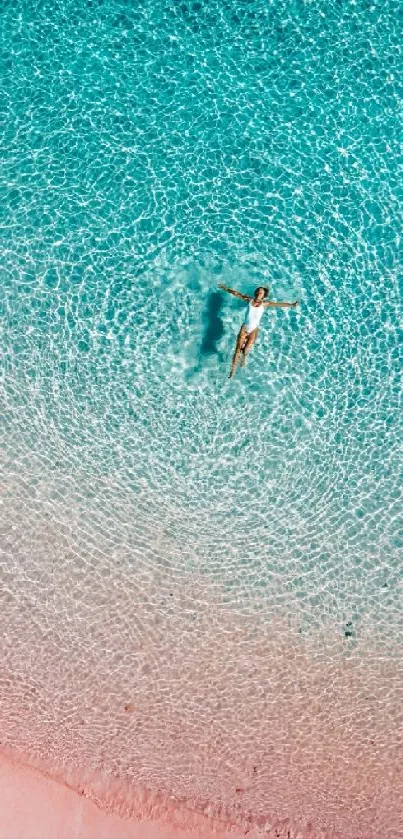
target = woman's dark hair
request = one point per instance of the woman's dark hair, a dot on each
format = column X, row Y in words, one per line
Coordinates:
column 266, row 290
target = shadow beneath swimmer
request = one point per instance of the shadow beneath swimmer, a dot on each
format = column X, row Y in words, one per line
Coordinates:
column 213, row 330
column 214, row 326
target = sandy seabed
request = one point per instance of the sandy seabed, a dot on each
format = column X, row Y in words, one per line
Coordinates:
column 144, row 702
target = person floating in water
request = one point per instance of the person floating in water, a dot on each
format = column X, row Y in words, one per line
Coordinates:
column 248, row 332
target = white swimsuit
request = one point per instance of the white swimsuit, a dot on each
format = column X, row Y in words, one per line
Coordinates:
column 253, row 317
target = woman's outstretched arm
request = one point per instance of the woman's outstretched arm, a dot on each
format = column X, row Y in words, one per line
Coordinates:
column 280, row 305
column 235, row 293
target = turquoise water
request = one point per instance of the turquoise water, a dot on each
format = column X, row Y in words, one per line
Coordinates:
column 149, row 152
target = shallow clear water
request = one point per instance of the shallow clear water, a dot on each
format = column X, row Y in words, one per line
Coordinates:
column 149, row 153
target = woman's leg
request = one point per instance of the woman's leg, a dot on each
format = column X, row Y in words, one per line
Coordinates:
column 242, row 338
column 250, row 340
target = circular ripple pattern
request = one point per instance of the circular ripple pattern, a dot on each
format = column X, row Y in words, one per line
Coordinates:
column 201, row 592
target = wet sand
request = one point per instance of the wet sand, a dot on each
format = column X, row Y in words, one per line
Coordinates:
column 33, row 806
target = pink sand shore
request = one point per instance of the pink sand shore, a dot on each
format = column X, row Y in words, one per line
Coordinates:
column 33, row 806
